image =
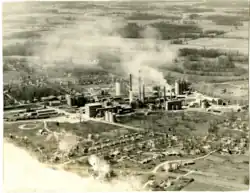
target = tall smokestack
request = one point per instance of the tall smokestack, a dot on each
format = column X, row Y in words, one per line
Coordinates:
column 159, row 91
column 143, row 93
column 130, row 82
column 164, row 93
column 139, row 84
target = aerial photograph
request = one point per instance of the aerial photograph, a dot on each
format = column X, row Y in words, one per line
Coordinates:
column 140, row 95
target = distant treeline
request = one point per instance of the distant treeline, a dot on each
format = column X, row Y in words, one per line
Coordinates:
column 24, row 92
column 206, row 78
column 224, row 4
column 206, row 68
column 197, row 10
column 194, row 53
column 18, row 50
column 169, row 31
column 147, row 16
column 222, row 64
column 17, row 64
column 227, row 19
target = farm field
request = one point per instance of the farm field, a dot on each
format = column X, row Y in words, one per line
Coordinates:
column 237, row 90
column 238, row 34
column 219, row 166
column 222, row 43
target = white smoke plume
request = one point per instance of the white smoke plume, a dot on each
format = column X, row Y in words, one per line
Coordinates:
column 28, row 175
column 90, row 41
column 89, row 44
column 67, row 142
column 100, row 166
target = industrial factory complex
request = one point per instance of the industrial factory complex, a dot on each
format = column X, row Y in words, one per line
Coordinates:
column 133, row 127
column 125, row 98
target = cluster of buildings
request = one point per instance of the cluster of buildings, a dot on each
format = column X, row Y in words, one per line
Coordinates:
column 131, row 95
column 36, row 113
column 127, row 98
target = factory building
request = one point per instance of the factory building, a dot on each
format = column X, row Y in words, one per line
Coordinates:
column 91, row 109
column 204, row 104
column 54, row 103
column 76, row 100
column 38, row 114
column 174, row 105
column 49, row 98
column 46, row 112
column 181, row 86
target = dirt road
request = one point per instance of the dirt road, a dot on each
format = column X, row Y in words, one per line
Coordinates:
column 173, row 161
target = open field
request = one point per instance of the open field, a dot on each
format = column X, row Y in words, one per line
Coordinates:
column 222, row 43
column 237, row 90
column 184, row 123
column 219, row 167
column 238, row 34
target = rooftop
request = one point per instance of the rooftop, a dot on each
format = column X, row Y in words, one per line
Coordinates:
column 93, row 104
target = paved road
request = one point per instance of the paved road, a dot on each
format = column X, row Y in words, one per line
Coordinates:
column 173, row 161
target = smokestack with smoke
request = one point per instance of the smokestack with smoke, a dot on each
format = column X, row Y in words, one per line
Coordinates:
column 102, row 48
column 130, row 82
column 164, row 92
column 100, row 166
column 67, row 142
column 143, row 93
column 139, row 88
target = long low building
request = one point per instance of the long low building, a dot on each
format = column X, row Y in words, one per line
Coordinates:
column 174, row 105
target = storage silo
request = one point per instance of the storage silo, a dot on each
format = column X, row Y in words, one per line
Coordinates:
column 177, row 87
column 68, row 99
column 112, row 117
column 118, row 89
column 204, row 104
column 106, row 116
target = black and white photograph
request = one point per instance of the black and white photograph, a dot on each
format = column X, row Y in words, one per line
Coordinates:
column 125, row 96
